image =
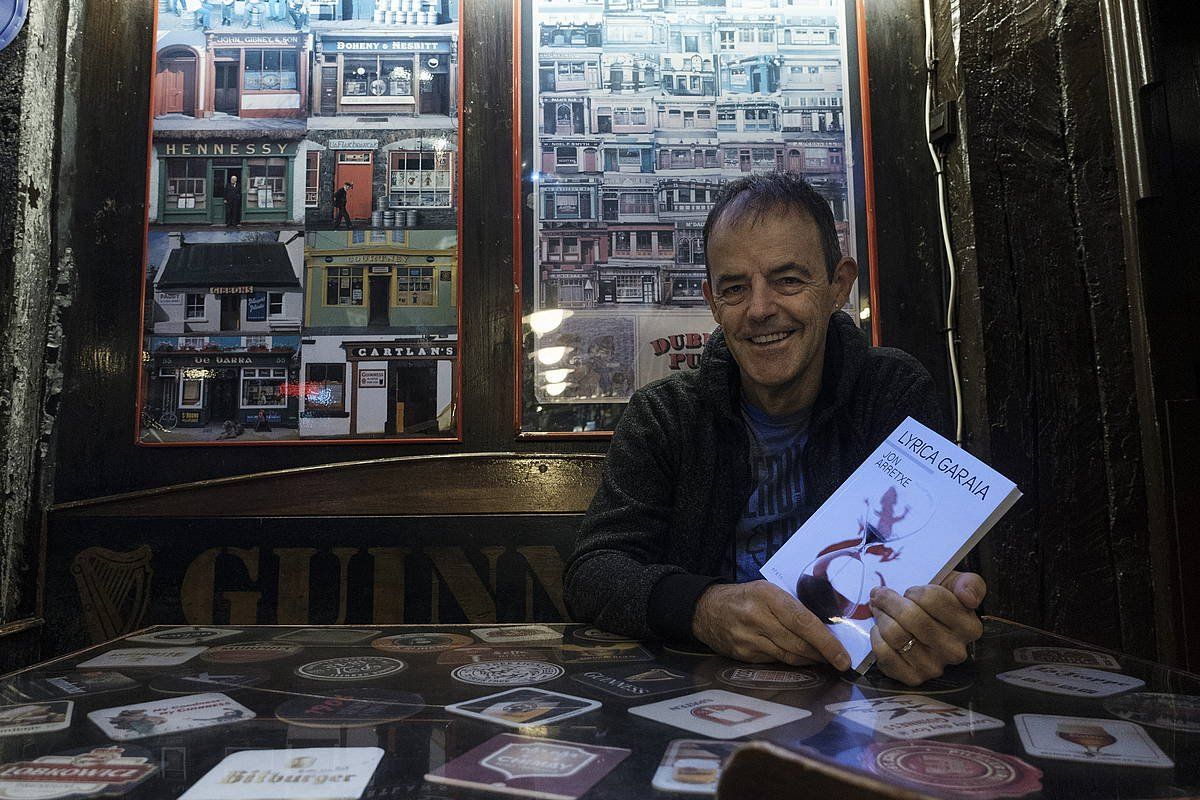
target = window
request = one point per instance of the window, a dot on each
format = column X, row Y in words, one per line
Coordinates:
column 271, row 70
column 414, row 286
column 420, row 179
column 573, row 290
column 570, row 70
column 629, row 116
column 262, row 342
column 566, row 156
column 187, row 184
column 725, row 40
column 191, row 393
column 268, row 178
column 567, row 205
column 325, row 387
column 264, row 387
column 379, row 79
column 629, row 157
column 312, row 179
column 571, row 248
column 629, row 287
column 343, row 286
column 621, row 242
column 274, row 304
column 666, row 242
column 636, row 203
column 554, row 249
column 193, row 342
column 194, row 307
column 643, row 240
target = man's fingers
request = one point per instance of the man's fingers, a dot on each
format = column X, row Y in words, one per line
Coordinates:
column 807, row 628
column 969, row 588
column 919, row 624
column 890, row 662
column 944, row 607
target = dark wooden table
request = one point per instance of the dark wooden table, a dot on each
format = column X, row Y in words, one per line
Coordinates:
column 421, row 735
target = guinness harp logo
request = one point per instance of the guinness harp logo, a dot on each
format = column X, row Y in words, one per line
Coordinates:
column 114, row 589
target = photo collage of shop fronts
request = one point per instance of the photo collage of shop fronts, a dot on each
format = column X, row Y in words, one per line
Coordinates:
column 640, row 111
column 302, row 272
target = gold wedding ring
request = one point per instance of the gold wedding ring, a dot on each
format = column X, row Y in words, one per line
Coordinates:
column 907, row 646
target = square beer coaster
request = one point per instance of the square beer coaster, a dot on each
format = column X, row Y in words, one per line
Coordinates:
column 642, row 680
column 913, row 716
column 614, row 652
column 1070, row 656
column 1072, row 681
column 144, row 657
column 522, row 708
column 27, row 718
column 517, row 634
column 720, row 714
column 692, row 766
column 170, row 715
column 327, row 637
column 1089, row 741
column 71, row 684
column 324, row 773
column 523, row 765
column 190, row 634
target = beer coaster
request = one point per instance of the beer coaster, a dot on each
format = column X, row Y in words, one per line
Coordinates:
column 85, row 772
column 772, row 679
column 70, row 684
column 30, row 718
column 604, row 653
column 217, row 680
column 357, row 708
column 192, row 634
column 594, row 634
column 169, row 715
column 960, row 770
column 1069, row 656
column 517, row 634
column 507, row 673
column 1172, row 712
column 719, row 714
column 522, row 765
column 352, row 668
column 1071, row 681
column 137, row 657
column 639, row 681
column 421, row 642
column 326, row 637
column 679, row 648
column 912, row 716
column 1089, row 741
column 523, row 708
column 302, row 773
column 250, row 652
column 954, row 679
column 474, row 655
column 692, row 766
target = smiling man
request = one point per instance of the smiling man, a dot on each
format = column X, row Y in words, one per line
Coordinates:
column 710, row 471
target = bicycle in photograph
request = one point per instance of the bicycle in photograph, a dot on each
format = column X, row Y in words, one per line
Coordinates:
column 165, row 421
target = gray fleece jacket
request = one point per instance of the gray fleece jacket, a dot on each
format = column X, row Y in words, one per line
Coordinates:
column 678, row 477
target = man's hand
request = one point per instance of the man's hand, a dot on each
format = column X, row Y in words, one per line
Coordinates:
column 760, row 622
column 918, row 633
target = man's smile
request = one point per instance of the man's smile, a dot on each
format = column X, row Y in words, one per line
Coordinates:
column 770, row 338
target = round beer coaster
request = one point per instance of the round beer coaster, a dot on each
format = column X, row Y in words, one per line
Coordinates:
column 12, row 18
column 215, row 680
column 421, row 642
column 594, row 634
column 357, row 708
column 953, row 680
column 963, row 770
column 249, row 652
column 756, row 678
column 353, row 668
column 1172, row 712
column 507, row 673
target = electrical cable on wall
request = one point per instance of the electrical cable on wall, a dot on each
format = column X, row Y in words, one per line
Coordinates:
column 939, row 165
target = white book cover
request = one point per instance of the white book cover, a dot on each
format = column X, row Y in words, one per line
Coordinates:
column 905, row 517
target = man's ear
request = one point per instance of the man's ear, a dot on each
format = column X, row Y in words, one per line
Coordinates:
column 844, row 275
column 706, row 288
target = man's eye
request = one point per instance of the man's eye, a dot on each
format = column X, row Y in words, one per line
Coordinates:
column 733, row 293
column 789, row 285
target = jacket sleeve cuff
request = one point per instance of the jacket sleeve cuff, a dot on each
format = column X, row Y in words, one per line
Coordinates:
column 673, row 602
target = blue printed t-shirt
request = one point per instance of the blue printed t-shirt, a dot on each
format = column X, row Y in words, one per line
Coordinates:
column 774, row 509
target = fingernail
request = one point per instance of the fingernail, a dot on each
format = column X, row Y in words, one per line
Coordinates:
column 874, row 592
column 842, row 662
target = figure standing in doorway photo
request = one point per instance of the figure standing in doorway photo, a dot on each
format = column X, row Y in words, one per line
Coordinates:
column 339, row 205
column 233, row 201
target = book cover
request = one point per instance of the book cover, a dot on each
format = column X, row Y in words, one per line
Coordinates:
column 905, row 517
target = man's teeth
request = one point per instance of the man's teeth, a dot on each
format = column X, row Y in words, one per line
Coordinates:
column 770, row 337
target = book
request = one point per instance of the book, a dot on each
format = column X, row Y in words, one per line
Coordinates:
column 905, row 517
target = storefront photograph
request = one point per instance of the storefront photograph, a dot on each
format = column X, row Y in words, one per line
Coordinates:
column 397, row 281
column 378, row 387
column 391, row 179
column 222, row 326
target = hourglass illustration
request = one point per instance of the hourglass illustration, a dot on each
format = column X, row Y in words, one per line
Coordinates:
column 837, row 583
column 1092, row 738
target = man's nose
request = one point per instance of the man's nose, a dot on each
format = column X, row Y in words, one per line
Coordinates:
column 761, row 302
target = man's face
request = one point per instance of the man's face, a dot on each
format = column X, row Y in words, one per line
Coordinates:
column 770, row 294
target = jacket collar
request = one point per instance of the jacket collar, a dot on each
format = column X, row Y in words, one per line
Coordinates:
column 845, row 354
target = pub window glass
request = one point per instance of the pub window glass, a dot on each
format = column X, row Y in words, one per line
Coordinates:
column 415, row 287
column 273, row 69
column 420, row 179
column 312, row 179
column 344, row 286
column 268, row 180
column 186, row 183
column 264, row 387
column 191, row 392
column 325, row 387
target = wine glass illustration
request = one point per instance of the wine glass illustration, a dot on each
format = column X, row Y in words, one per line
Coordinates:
column 838, row 582
column 1091, row 737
